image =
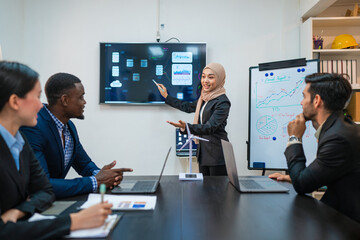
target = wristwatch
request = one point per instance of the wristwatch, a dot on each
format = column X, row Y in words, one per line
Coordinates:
column 294, row 138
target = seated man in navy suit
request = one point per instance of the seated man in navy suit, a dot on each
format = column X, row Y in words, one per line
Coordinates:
column 56, row 143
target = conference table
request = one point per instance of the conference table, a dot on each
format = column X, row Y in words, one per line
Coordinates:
column 214, row 209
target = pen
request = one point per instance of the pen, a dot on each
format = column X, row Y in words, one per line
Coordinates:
column 102, row 191
column 158, row 85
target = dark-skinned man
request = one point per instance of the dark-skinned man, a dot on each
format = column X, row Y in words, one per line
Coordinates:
column 56, row 143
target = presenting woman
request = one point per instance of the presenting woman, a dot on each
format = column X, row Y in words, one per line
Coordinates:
column 211, row 112
column 24, row 187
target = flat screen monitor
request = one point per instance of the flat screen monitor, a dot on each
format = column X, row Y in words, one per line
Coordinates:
column 128, row 71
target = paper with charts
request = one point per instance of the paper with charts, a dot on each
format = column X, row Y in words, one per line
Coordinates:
column 123, row 202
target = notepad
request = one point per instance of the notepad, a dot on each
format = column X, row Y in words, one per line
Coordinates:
column 99, row 232
column 123, row 202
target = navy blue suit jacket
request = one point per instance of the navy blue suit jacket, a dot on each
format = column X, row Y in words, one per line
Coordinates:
column 46, row 143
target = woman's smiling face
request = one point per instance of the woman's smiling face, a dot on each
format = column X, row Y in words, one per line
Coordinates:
column 208, row 80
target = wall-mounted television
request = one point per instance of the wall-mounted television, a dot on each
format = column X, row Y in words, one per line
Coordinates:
column 127, row 71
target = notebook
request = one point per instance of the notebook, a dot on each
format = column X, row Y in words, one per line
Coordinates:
column 140, row 186
column 99, row 232
column 247, row 184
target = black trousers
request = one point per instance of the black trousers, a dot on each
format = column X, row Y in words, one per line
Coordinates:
column 213, row 170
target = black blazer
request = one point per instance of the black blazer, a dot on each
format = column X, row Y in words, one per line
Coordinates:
column 215, row 117
column 337, row 165
column 17, row 186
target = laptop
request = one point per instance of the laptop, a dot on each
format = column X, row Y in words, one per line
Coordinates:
column 250, row 183
column 140, row 186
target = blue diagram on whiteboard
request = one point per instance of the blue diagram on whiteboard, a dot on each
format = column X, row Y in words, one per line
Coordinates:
column 275, row 97
column 266, row 125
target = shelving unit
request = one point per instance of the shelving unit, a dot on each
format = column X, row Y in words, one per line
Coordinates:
column 336, row 51
column 328, row 28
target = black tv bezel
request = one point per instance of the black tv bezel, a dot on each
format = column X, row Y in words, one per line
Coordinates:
column 102, row 72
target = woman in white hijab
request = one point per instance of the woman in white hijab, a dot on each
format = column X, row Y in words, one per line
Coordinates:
column 211, row 113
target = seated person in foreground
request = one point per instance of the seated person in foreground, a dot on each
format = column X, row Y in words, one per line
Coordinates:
column 24, row 187
column 337, row 163
column 56, row 143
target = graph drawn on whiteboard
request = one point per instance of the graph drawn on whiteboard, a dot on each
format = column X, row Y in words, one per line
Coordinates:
column 280, row 94
column 266, row 125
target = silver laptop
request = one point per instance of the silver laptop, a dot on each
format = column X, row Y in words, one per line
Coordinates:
column 140, row 186
column 247, row 184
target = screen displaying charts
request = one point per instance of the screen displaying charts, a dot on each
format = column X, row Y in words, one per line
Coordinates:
column 275, row 97
column 127, row 71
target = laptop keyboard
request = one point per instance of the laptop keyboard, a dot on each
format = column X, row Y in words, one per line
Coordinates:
column 143, row 186
column 250, row 184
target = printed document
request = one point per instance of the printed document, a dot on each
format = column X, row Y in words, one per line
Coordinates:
column 123, row 202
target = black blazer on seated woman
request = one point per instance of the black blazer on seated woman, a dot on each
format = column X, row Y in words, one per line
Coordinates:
column 29, row 191
column 212, row 128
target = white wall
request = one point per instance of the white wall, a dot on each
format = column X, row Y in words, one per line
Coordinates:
column 11, row 29
column 64, row 36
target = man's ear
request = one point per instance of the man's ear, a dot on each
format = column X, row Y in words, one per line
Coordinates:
column 318, row 102
column 14, row 102
column 64, row 99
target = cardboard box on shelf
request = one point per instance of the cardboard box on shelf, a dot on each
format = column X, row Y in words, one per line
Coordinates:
column 354, row 107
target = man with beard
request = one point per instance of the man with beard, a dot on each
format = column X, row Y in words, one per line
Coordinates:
column 337, row 163
column 56, row 143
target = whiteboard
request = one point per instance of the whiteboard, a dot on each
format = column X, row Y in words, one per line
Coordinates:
column 275, row 97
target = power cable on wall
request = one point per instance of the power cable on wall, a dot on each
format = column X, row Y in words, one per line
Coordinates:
column 158, row 26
